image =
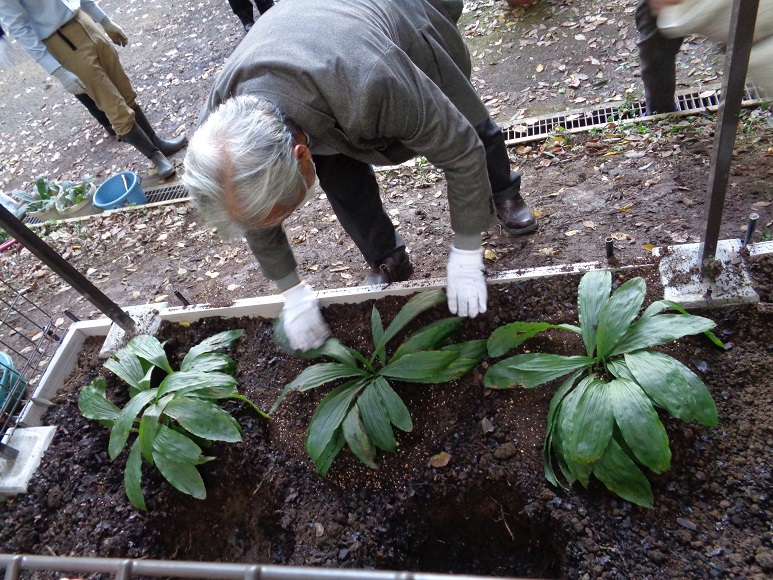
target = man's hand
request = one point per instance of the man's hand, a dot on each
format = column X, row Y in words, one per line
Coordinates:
column 70, row 82
column 657, row 5
column 466, row 284
column 114, row 32
column 303, row 323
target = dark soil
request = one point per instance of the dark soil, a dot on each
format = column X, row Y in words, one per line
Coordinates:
column 489, row 511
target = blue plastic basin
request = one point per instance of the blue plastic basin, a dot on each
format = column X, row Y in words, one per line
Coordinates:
column 121, row 189
column 12, row 386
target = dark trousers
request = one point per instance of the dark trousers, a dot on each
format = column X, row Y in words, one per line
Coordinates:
column 354, row 195
column 243, row 9
column 657, row 58
column 95, row 111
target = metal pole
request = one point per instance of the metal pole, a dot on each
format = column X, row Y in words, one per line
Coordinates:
column 739, row 44
column 27, row 238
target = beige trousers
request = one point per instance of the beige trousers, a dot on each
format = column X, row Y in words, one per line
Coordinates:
column 82, row 47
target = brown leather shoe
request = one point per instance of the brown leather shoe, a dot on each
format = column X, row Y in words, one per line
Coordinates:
column 396, row 267
column 516, row 216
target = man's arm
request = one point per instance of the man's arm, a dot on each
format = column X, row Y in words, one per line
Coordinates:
column 16, row 23
column 276, row 260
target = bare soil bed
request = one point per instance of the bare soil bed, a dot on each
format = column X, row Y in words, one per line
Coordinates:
column 488, row 511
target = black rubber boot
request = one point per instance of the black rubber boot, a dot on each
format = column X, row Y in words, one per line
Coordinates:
column 657, row 62
column 513, row 212
column 166, row 146
column 396, row 267
column 140, row 141
column 96, row 112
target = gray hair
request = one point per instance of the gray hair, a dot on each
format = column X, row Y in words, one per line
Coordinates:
column 241, row 159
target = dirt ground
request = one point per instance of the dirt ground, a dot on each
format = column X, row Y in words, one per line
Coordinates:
column 642, row 184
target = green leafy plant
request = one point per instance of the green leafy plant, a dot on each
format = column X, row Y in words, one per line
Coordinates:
column 173, row 421
column 602, row 420
column 361, row 412
column 54, row 195
column 42, row 198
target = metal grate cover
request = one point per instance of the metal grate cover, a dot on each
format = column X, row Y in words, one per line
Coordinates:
column 166, row 193
column 578, row 120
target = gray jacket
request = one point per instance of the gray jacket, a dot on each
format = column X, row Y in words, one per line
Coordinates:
column 378, row 80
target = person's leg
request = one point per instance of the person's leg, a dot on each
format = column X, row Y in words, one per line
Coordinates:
column 512, row 210
column 263, row 5
column 353, row 193
column 657, row 59
column 82, row 49
column 96, row 112
column 243, row 11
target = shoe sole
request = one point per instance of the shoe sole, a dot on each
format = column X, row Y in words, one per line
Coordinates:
column 520, row 231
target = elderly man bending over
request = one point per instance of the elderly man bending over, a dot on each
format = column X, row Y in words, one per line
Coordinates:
column 325, row 90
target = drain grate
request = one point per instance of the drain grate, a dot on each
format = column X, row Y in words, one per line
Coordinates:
column 575, row 121
column 166, row 193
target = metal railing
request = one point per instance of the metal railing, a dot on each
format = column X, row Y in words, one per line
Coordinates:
column 123, row 569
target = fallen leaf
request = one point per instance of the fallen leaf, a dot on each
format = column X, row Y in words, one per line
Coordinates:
column 440, row 460
column 486, row 425
column 161, row 298
column 625, row 207
column 572, row 233
column 589, row 224
column 540, row 68
column 490, row 255
column 620, row 236
column 760, row 205
column 212, row 275
column 648, row 247
column 232, row 287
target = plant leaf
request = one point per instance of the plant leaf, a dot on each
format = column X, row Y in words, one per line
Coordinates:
column 149, row 424
column 203, row 419
column 592, row 296
column 123, row 423
column 94, row 404
column 622, row 476
column 127, row 367
column 317, row 375
column 328, row 417
column 660, row 329
column 640, row 425
column 330, row 451
column 419, row 367
column 555, row 402
column 211, row 362
column 619, row 369
column 514, row 334
column 396, row 409
column 357, row 438
column 149, row 348
column 531, row 370
column 660, row 305
column 591, row 427
column 333, row 349
column 375, row 419
column 566, row 414
column 132, row 477
column 429, row 337
column 377, row 329
column 673, row 386
column 470, row 355
column 189, row 381
column 617, row 315
column 183, row 475
column 176, row 446
column 209, row 345
column 415, row 306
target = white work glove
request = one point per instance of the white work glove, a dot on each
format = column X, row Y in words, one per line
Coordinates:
column 466, row 284
column 70, row 82
column 302, row 319
column 114, row 31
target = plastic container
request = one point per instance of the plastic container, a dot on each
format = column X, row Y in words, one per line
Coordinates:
column 12, row 386
column 121, row 189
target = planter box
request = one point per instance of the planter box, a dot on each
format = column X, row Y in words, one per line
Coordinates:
column 483, row 510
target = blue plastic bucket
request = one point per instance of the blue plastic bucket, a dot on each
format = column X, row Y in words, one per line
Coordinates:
column 121, row 189
column 12, row 386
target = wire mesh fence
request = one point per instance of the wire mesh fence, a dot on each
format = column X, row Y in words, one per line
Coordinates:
column 28, row 340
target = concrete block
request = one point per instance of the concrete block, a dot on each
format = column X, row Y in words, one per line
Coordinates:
column 30, row 443
column 680, row 272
